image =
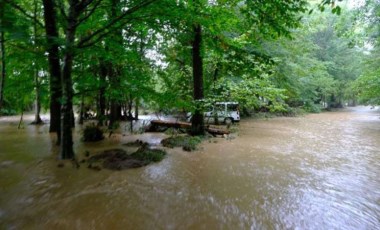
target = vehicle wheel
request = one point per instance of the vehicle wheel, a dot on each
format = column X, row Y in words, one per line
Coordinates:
column 228, row 121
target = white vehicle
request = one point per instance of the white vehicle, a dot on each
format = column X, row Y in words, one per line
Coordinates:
column 226, row 112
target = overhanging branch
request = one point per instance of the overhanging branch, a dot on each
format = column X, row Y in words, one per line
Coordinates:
column 103, row 31
column 24, row 12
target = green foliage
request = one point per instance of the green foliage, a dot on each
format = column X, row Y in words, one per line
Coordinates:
column 311, row 107
column 7, row 112
column 368, row 88
column 247, row 54
column 317, row 66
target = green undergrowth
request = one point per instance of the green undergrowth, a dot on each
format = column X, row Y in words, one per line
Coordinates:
column 188, row 143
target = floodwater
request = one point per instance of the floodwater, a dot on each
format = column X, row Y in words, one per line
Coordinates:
column 320, row 171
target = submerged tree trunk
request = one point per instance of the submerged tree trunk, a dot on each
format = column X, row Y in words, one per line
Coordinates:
column 54, row 67
column 197, row 124
column 2, row 57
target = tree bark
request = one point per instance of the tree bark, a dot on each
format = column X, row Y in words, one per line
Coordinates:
column 54, row 67
column 137, row 104
column 197, row 124
column 114, row 69
column 37, row 117
column 66, row 150
column 81, row 112
column 2, row 53
column 101, row 111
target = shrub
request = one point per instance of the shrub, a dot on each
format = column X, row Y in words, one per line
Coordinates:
column 148, row 155
column 92, row 134
column 188, row 143
column 312, row 108
column 7, row 112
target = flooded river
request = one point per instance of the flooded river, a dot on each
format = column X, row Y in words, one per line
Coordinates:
column 320, row 171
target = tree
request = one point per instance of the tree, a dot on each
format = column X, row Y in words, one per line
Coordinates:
column 367, row 86
column 2, row 54
column 78, row 14
column 52, row 48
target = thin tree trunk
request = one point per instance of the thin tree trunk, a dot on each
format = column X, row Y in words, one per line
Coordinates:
column 197, row 124
column 37, row 117
column 102, row 91
column 2, row 53
column 81, row 113
column 130, row 105
column 21, row 119
column 137, row 104
column 54, row 67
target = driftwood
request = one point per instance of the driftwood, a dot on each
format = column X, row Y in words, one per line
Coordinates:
column 184, row 125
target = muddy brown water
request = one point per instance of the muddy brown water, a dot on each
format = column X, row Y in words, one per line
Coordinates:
column 320, row 171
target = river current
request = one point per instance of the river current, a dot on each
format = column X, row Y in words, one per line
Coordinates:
column 319, row 171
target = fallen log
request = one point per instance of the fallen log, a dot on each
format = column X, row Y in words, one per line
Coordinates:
column 214, row 131
column 171, row 124
column 184, row 125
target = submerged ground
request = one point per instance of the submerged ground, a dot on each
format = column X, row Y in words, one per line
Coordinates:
column 320, row 171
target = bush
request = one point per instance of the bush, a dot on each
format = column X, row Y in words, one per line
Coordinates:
column 148, row 155
column 7, row 112
column 92, row 134
column 294, row 112
column 311, row 107
column 188, row 143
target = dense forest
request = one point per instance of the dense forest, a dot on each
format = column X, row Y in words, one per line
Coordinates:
column 113, row 58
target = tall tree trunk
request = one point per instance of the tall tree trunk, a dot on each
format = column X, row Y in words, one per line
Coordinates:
column 2, row 53
column 102, row 93
column 54, row 67
column 66, row 150
column 115, row 105
column 197, row 124
column 114, row 69
column 37, row 117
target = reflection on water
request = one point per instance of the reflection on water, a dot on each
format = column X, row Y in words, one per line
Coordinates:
column 320, row 171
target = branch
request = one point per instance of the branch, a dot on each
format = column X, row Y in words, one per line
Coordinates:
column 82, row 42
column 24, row 12
column 62, row 9
column 83, row 4
column 90, row 13
column 101, row 36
